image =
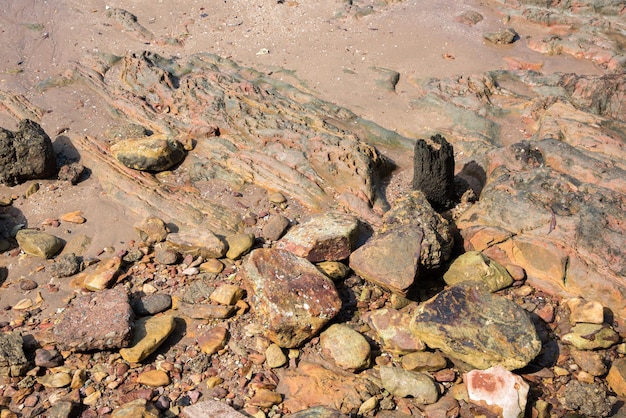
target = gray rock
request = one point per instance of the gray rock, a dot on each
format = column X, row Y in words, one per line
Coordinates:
column 65, row 265
column 198, row 242
column 71, row 172
column 210, row 409
column 96, row 321
column 346, row 347
column 403, row 383
column 588, row 399
column 482, row 329
column 163, row 254
column 505, row 36
column 152, row 230
column 26, row 154
column 152, row 153
column 327, row 237
column 37, row 243
column 275, row 227
column 48, row 358
column 292, row 299
column 390, row 260
column 13, row 362
column 151, row 304
column 317, row 412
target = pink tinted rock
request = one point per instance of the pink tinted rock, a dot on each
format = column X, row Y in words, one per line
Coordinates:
column 499, row 390
column 392, row 328
column 328, row 237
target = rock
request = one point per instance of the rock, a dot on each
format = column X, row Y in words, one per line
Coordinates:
column 163, row 254
column 198, row 242
column 148, row 334
column 65, row 265
column 26, row 154
column 152, row 230
column 482, row 329
column 505, row 36
column 616, row 378
column 473, row 265
column 433, row 171
column 500, row 391
column 151, row 304
column 210, row 409
column 75, row 217
column 61, row 409
column 28, row 284
column 587, row 399
column 138, row 408
column 423, row 362
column 335, row 270
column 291, row 298
column 390, row 260
column 71, row 172
column 55, row 380
column 584, row 311
column 100, row 276
column 274, row 356
column 48, row 358
column 413, row 209
column 214, row 340
column 13, row 361
column 317, row 412
column 212, row 265
column 265, row 398
column 469, row 17
column 239, row 244
column 589, row 361
column 154, row 378
column 95, row 321
column 78, row 245
column 585, row 336
column 403, row 383
column 392, row 328
column 328, row 237
column 275, row 227
column 153, row 153
column 311, row 384
column 277, row 198
column 205, row 310
column 227, row 294
column 37, row 243
column 346, row 347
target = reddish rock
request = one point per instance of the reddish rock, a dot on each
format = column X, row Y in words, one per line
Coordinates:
column 500, row 391
column 327, row 237
column 392, row 328
column 292, row 299
column 96, row 321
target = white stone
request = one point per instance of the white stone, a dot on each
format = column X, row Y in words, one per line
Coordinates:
column 499, row 390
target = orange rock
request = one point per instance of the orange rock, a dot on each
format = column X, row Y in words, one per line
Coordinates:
column 75, row 217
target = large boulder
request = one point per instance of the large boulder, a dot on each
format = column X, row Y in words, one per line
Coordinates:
column 26, row 154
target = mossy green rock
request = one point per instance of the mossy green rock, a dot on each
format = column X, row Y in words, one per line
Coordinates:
column 473, row 265
column 37, row 243
column 585, row 336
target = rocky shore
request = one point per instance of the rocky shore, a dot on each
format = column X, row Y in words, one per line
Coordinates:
column 255, row 250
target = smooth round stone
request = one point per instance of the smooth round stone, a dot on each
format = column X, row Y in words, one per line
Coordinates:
column 56, row 380
column 151, row 304
column 277, row 198
column 334, row 269
column 275, row 227
column 212, row 265
column 274, row 356
column 165, row 255
column 154, row 378
column 346, row 347
column 238, row 245
column 424, row 361
column 48, row 358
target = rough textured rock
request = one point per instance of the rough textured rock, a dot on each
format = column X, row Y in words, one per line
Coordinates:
column 198, row 242
column 392, row 328
column 433, row 171
column 239, row 244
column 152, row 230
column 475, row 266
column 151, row 304
column 37, row 243
column 210, row 409
column 502, row 392
column 65, row 265
column 584, row 311
column 317, row 412
column 13, row 362
column 139, row 408
column 617, row 377
column 403, row 383
column 505, row 36
column 279, row 137
column 586, row 336
column 275, row 227
column 391, row 259
column 148, row 334
column 26, row 154
column 346, row 347
column 588, row 399
column 311, row 384
column 98, row 321
column 292, row 299
column 154, row 153
column 328, row 237
column 482, row 329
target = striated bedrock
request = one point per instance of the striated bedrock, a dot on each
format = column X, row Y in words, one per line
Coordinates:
column 246, row 128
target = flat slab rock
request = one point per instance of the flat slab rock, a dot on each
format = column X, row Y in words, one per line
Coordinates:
column 292, row 299
column 96, row 321
column 482, row 329
column 13, row 361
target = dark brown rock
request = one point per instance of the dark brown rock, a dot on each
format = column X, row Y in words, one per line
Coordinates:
column 48, row 358
column 26, row 154
column 96, row 321
column 587, row 399
column 292, row 299
column 433, row 171
column 469, row 323
column 275, row 227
